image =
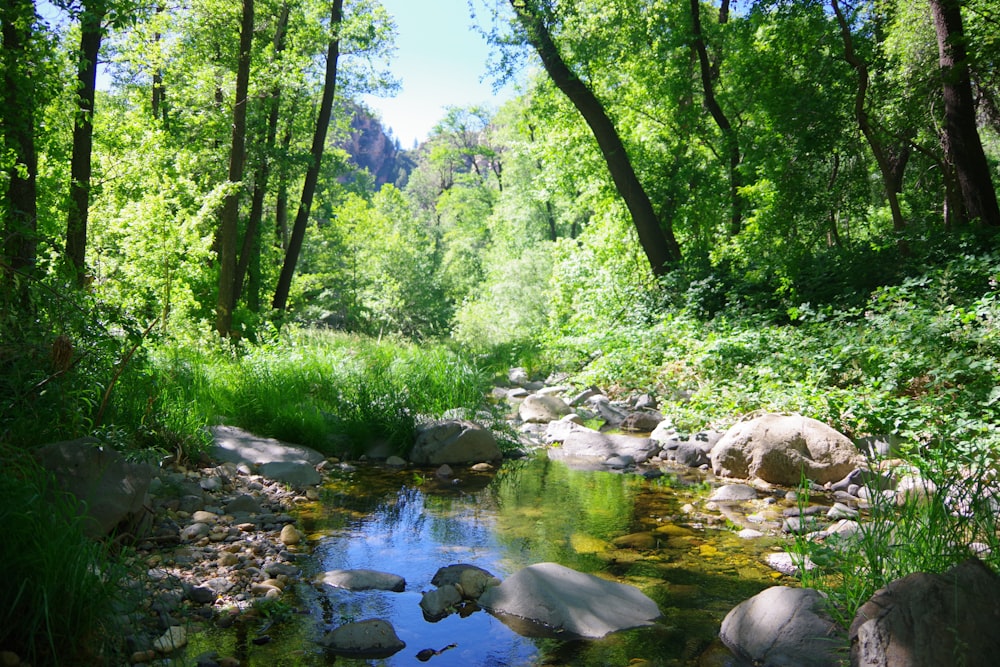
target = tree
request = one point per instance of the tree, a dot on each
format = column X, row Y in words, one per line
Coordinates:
column 709, row 74
column 78, row 207
column 228, row 236
column 312, row 174
column 249, row 259
column 887, row 168
column 661, row 248
column 961, row 134
column 20, row 205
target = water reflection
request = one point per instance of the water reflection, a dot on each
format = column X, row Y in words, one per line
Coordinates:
column 623, row 527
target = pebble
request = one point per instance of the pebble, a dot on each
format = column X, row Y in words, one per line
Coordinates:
column 290, row 535
column 174, row 638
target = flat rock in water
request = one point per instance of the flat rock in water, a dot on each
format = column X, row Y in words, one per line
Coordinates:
column 784, row 627
column 239, row 446
column 733, row 493
column 558, row 600
column 582, row 445
column 362, row 580
column 373, row 638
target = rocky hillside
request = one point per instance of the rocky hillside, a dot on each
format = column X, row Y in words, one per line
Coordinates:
column 375, row 150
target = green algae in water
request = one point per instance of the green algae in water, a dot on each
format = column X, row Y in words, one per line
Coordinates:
column 621, row 527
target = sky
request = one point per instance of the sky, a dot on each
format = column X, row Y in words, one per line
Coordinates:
column 440, row 61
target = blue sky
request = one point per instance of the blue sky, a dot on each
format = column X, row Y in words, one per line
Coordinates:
column 440, row 60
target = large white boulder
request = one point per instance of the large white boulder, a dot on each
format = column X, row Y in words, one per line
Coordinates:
column 781, row 449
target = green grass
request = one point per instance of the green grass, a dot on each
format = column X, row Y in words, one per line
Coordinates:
column 338, row 393
column 925, row 533
column 62, row 590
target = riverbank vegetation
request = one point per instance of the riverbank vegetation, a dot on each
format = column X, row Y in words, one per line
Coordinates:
column 800, row 231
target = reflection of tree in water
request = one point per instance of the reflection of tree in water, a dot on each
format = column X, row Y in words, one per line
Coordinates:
column 544, row 508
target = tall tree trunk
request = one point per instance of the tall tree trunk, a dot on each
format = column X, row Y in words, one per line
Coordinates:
column 962, row 141
column 312, row 174
column 250, row 252
column 709, row 73
column 20, row 223
column 158, row 96
column 231, row 207
column 885, row 167
column 78, row 208
column 657, row 242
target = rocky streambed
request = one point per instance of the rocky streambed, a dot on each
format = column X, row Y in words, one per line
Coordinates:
column 228, row 546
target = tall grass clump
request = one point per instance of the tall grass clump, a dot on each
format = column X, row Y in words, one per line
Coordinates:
column 948, row 513
column 336, row 392
column 62, row 594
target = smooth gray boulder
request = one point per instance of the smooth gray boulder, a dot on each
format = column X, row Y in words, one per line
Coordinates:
column 454, row 441
column 781, row 449
column 554, row 598
column 438, row 603
column 926, row 620
column 692, row 451
column 784, row 627
column 110, row 491
column 373, row 638
column 542, row 408
column 239, row 446
column 642, row 421
column 733, row 493
column 362, row 580
column 471, row 581
column 585, row 447
column 610, row 413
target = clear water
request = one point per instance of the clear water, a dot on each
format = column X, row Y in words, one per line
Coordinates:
column 623, row 527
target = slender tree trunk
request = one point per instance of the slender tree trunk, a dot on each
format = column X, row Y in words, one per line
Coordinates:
column 20, row 238
column 91, row 32
column 312, row 174
column 158, row 95
column 228, row 232
column 709, row 73
column 889, row 181
column 658, row 243
column 962, row 142
column 250, row 252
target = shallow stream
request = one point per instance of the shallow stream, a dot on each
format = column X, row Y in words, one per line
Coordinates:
column 620, row 526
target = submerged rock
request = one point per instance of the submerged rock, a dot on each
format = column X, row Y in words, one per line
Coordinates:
column 373, row 638
column 558, row 600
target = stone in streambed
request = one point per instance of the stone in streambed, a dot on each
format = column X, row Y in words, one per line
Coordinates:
column 784, row 627
column 373, row 638
column 554, row 598
column 362, row 580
